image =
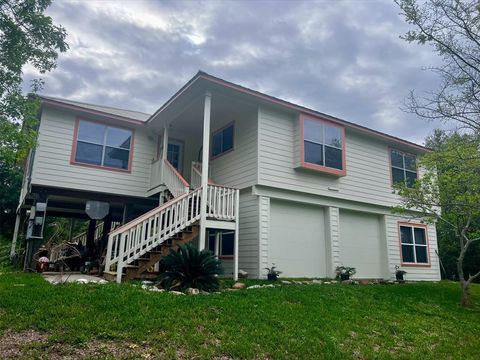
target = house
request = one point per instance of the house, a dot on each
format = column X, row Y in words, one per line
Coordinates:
column 282, row 184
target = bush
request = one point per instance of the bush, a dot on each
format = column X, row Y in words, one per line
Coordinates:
column 189, row 268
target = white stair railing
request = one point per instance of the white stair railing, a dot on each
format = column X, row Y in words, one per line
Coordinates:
column 221, row 202
column 132, row 240
column 174, row 181
column 196, row 175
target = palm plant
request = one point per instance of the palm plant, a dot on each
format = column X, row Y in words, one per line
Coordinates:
column 187, row 267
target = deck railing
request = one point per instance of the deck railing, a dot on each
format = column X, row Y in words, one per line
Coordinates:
column 174, row 181
column 130, row 241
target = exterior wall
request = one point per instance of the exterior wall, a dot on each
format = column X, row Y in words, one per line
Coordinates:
column 237, row 168
column 52, row 166
column 367, row 163
column 248, row 242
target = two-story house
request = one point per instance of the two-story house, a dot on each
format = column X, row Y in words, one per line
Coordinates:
column 256, row 179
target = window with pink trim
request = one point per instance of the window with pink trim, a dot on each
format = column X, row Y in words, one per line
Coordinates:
column 102, row 145
column 414, row 244
column 322, row 145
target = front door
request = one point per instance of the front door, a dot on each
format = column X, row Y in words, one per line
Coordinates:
column 175, row 154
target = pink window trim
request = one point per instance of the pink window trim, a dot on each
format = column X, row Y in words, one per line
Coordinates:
column 74, row 148
column 232, row 123
column 321, row 168
column 390, row 162
column 408, row 264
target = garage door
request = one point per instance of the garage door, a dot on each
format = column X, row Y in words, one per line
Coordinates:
column 296, row 242
column 361, row 244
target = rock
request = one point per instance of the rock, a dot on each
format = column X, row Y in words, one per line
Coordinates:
column 242, row 274
column 297, row 282
column 268, row 286
column 347, row 282
column 316, row 281
column 155, row 289
column 173, row 292
column 192, row 291
column 82, row 281
column 327, row 282
column 254, row 287
column 203, row 292
column 102, row 281
column 147, row 282
column 286, row 282
column 145, row 287
column 334, row 282
column 232, row 289
column 364, row 282
column 239, row 285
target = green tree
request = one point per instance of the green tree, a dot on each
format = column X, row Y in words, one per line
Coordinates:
column 452, row 28
column 448, row 192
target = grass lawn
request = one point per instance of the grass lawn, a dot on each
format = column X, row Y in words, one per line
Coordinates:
column 292, row 321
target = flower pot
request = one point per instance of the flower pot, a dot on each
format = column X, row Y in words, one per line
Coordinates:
column 399, row 276
column 272, row 277
column 344, row 277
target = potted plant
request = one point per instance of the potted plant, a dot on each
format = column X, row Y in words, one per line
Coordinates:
column 272, row 274
column 344, row 272
column 399, row 274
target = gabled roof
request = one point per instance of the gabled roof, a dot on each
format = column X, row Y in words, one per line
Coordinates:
column 127, row 114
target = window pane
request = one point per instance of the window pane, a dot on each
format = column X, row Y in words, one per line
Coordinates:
column 313, row 131
column 116, row 158
column 173, row 155
column 398, row 176
column 227, row 243
column 333, row 157
column 211, row 242
column 410, row 162
column 313, row 153
column 227, row 139
column 421, row 252
column 333, row 136
column 397, row 159
column 420, row 237
column 406, row 234
column 411, row 177
column 119, row 137
column 217, row 144
column 89, row 153
column 91, row 132
column 407, row 253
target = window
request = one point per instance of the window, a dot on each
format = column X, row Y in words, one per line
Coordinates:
column 322, row 146
column 103, row 145
column 413, row 242
column 222, row 141
column 175, row 154
column 226, row 243
column 404, row 167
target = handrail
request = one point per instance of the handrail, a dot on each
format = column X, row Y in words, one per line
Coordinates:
column 196, row 175
column 174, row 180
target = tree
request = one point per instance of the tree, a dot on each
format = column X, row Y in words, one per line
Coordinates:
column 448, row 192
column 27, row 36
column 452, row 28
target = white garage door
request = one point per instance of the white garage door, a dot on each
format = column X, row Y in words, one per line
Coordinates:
column 296, row 243
column 361, row 244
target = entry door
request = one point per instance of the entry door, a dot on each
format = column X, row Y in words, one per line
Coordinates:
column 175, row 154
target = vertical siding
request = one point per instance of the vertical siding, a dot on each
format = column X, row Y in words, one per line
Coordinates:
column 264, row 233
column 238, row 168
column 333, row 217
column 367, row 163
column 431, row 273
column 52, row 160
column 248, row 243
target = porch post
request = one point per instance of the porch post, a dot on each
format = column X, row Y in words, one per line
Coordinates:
column 164, row 157
column 205, row 160
column 235, row 244
column 15, row 236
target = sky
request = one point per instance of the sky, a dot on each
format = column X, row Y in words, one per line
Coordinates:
column 342, row 58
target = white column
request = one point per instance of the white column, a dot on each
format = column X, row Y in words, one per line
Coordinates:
column 235, row 245
column 205, row 160
column 217, row 244
column 15, row 236
column 162, row 160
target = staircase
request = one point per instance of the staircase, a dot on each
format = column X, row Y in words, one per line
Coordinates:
column 136, row 246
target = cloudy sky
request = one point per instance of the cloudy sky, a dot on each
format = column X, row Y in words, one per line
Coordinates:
column 343, row 58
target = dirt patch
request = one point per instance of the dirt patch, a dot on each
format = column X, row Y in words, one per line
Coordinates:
column 35, row 344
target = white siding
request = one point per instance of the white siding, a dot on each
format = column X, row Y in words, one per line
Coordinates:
column 52, row 160
column 393, row 243
column 248, row 243
column 238, row 168
column 332, row 238
column 264, row 233
column 367, row 163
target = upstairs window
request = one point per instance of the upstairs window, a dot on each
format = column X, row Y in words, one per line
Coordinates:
column 413, row 241
column 404, row 167
column 323, row 146
column 222, row 141
column 103, row 146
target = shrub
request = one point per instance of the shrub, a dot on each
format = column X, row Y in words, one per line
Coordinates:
column 188, row 267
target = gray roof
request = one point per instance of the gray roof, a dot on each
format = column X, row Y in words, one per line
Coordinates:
column 135, row 115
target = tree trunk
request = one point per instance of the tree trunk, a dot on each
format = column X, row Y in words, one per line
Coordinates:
column 466, row 299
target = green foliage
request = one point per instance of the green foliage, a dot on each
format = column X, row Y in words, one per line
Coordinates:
column 452, row 28
column 345, row 270
column 412, row 321
column 11, row 180
column 189, row 268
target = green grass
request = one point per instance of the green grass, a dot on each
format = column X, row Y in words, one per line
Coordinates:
column 335, row 321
